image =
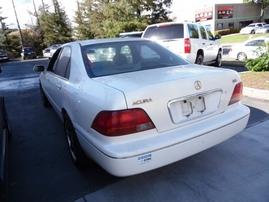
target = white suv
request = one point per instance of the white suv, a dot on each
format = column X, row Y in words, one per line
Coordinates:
column 191, row 41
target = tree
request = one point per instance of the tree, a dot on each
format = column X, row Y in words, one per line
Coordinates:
column 4, row 31
column 82, row 30
column 264, row 6
column 55, row 25
column 108, row 18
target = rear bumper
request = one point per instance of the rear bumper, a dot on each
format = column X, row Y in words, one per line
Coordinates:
column 4, row 58
column 180, row 143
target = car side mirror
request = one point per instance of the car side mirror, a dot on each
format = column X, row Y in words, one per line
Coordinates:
column 218, row 36
column 39, row 68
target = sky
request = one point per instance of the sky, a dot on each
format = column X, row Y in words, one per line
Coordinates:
column 184, row 10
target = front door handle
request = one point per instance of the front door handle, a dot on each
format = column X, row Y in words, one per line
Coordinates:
column 59, row 86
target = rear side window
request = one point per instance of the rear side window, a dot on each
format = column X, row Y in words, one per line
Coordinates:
column 256, row 43
column 62, row 68
column 169, row 31
column 193, row 31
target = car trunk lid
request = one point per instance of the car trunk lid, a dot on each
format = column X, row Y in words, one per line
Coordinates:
column 178, row 95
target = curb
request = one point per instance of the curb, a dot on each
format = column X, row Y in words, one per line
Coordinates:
column 256, row 93
column 249, row 92
column 233, row 63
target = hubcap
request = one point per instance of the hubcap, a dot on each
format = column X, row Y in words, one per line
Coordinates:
column 241, row 56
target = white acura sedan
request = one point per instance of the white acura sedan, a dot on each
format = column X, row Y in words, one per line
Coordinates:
column 132, row 105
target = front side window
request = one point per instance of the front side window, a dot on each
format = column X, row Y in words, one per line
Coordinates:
column 203, row 32
column 210, row 35
column 122, row 57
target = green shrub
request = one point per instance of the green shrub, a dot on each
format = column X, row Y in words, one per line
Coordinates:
column 224, row 32
column 258, row 64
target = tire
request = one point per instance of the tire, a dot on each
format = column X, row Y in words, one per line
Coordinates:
column 4, row 117
column 45, row 100
column 7, row 123
column 78, row 156
column 252, row 32
column 199, row 59
column 241, row 56
column 218, row 59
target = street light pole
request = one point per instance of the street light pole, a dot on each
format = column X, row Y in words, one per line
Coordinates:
column 22, row 41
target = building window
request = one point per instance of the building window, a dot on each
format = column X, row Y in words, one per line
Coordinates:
column 244, row 23
column 219, row 26
column 231, row 25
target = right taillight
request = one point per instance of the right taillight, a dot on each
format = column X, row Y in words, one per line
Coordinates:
column 187, row 45
column 237, row 93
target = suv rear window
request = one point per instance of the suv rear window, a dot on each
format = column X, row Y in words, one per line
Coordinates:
column 165, row 32
column 28, row 50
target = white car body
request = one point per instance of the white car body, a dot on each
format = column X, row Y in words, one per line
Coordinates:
column 48, row 52
column 249, row 49
column 263, row 30
column 192, row 107
column 251, row 28
column 189, row 40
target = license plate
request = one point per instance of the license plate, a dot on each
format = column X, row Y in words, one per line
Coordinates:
column 192, row 107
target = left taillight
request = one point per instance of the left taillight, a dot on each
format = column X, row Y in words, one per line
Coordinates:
column 237, row 93
column 122, row 122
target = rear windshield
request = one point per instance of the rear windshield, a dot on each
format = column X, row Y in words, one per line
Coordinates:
column 28, row 50
column 129, row 56
column 165, row 32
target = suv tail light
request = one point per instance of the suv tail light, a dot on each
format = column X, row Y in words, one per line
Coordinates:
column 122, row 122
column 187, row 45
column 237, row 93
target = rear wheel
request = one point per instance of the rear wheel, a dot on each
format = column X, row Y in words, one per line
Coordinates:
column 78, row 156
column 241, row 56
column 218, row 59
column 199, row 59
column 252, row 32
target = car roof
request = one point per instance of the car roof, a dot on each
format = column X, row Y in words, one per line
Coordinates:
column 257, row 38
column 107, row 40
column 173, row 23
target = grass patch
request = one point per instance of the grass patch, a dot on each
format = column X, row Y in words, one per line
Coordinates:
column 257, row 80
column 239, row 38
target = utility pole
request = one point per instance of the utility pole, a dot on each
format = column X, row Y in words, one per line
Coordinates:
column 22, row 41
